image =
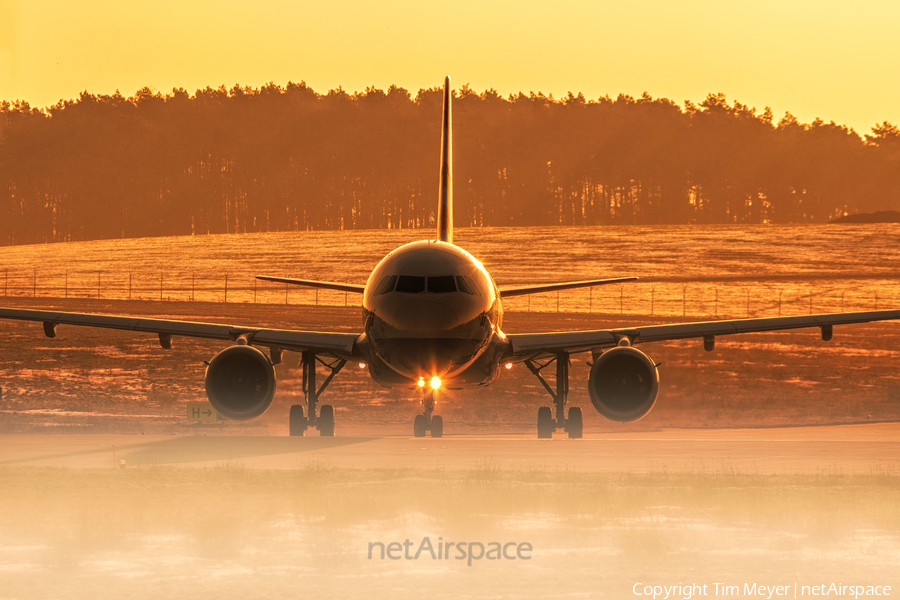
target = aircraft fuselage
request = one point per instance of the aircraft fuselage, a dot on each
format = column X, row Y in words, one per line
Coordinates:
column 431, row 309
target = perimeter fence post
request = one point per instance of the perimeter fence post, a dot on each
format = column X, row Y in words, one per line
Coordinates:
column 193, row 278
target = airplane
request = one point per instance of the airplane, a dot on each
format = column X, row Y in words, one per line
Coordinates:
column 432, row 319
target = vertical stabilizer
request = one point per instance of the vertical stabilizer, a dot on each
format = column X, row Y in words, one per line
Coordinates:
column 445, row 203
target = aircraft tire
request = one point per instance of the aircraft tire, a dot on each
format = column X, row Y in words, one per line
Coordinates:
column 326, row 421
column 420, row 425
column 437, row 426
column 545, row 423
column 296, row 423
column 575, row 424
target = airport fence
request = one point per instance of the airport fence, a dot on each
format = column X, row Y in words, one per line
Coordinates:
column 744, row 299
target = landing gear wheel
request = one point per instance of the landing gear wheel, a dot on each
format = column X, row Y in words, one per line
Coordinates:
column 326, row 421
column 437, row 426
column 545, row 423
column 420, row 425
column 574, row 424
column 297, row 422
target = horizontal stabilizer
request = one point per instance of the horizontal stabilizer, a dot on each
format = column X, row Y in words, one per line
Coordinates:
column 566, row 285
column 325, row 285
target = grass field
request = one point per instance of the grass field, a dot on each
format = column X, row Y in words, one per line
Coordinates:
column 105, row 381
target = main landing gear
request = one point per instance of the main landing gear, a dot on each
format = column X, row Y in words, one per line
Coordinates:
column 546, row 424
column 425, row 422
column 299, row 423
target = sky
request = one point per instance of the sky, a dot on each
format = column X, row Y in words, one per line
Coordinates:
column 833, row 60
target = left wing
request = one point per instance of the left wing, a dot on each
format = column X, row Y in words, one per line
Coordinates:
column 530, row 344
column 339, row 344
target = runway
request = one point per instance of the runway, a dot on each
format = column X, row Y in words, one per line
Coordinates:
column 845, row 449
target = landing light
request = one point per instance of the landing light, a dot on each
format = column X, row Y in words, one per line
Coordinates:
column 435, row 382
column 421, row 382
column 508, row 365
column 362, row 365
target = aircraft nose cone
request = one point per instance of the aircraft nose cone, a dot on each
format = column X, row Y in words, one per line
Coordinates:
column 422, row 316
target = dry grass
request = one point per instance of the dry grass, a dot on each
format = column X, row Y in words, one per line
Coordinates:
column 98, row 381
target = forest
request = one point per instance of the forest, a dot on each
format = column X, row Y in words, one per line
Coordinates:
column 292, row 159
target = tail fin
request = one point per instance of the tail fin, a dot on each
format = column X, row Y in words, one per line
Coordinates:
column 445, row 203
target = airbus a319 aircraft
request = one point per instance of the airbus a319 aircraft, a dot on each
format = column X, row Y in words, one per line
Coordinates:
column 433, row 318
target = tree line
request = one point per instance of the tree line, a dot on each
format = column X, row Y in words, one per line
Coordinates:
column 288, row 158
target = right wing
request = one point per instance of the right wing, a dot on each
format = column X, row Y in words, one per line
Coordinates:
column 325, row 285
column 342, row 345
column 531, row 344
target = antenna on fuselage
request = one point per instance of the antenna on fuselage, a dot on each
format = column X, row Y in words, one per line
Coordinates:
column 445, row 202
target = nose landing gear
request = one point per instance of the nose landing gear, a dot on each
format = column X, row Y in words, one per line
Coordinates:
column 546, row 424
column 425, row 422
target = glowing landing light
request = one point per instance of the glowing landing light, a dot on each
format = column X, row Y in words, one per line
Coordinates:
column 362, row 365
column 421, row 382
column 435, row 382
column 508, row 365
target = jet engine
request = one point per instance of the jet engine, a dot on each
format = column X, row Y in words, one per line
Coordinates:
column 624, row 383
column 240, row 382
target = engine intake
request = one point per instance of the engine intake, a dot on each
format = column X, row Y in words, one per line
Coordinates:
column 240, row 382
column 624, row 384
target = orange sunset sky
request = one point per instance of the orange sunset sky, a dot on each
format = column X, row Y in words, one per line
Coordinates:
column 834, row 60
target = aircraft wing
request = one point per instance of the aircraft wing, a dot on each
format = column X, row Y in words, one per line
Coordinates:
column 325, row 285
column 506, row 292
column 531, row 344
column 339, row 344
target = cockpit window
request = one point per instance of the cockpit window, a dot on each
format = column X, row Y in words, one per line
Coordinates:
column 410, row 284
column 387, row 285
column 463, row 285
column 441, row 284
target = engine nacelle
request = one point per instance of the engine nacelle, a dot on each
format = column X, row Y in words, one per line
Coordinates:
column 624, row 384
column 240, row 382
